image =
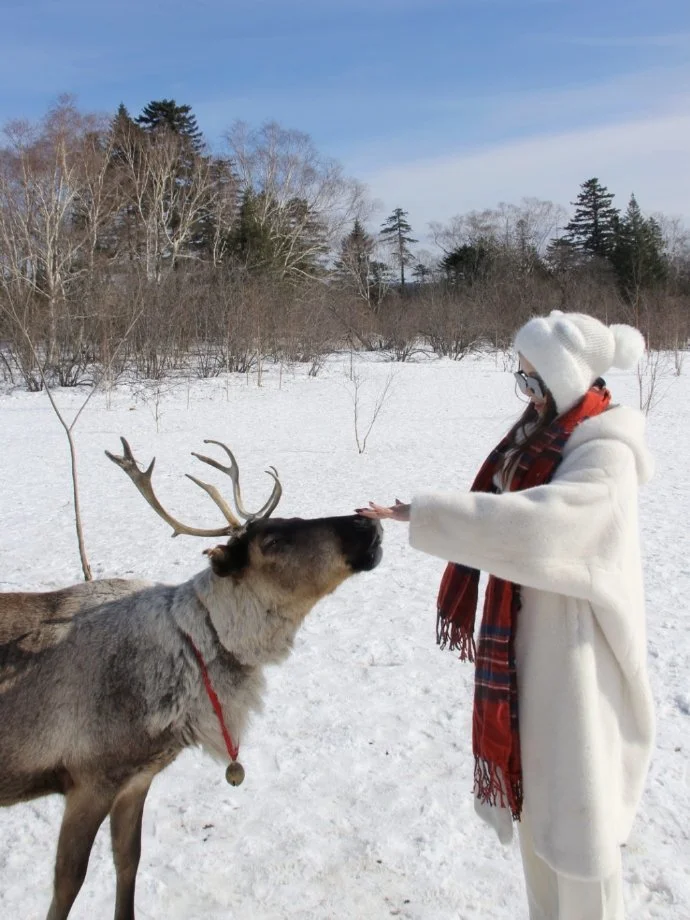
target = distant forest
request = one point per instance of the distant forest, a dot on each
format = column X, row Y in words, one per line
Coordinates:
column 126, row 243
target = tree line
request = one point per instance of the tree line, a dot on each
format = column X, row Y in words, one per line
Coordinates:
column 126, row 243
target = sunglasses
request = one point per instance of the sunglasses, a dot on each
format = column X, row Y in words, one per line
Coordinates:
column 530, row 384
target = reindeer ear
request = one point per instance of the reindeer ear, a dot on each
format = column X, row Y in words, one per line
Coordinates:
column 229, row 558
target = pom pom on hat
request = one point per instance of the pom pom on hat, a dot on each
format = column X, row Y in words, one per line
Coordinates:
column 630, row 346
column 570, row 350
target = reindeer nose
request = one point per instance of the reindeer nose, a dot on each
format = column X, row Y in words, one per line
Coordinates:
column 368, row 525
column 363, row 543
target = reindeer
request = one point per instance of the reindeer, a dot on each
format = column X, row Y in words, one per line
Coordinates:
column 103, row 684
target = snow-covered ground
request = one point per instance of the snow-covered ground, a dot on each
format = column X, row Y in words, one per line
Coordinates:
column 357, row 803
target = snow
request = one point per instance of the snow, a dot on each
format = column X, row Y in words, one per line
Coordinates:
column 357, row 802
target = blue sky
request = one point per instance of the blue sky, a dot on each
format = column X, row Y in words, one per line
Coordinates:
column 439, row 105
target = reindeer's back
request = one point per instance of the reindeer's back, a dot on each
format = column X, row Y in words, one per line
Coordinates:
column 33, row 618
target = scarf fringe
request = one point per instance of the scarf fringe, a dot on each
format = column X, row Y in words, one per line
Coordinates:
column 452, row 636
column 491, row 787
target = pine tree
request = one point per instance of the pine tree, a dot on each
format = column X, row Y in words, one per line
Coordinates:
column 381, row 281
column 127, row 150
column 469, row 262
column 250, row 240
column 164, row 114
column 421, row 273
column 353, row 266
column 123, row 128
column 166, row 126
column 593, row 228
column 395, row 232
column 562, row 256
column 359, row 243
column 303, row 247
column 220, row 212
column 286, row 240
column 638, row 254
column 523, row 253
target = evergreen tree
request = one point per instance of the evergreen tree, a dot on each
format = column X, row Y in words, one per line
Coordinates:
column 286, row 240
column 165, row 114
column 593, row 228
column 395, row 232
column 250, row 240
column 638, row 254
column 165, row 124
column 359, row 244
column 353, row 265
column 123, row 130
column 303, row 248
column 381, row 280
column 469, row 262
column 523, row 253
column 220, row 212
column 562, row 256
column 127, row 148
column 421, row 272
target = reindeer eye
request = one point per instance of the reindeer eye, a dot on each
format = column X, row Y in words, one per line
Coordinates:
column 271, row 543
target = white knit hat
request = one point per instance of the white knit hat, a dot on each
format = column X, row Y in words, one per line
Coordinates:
column 570, row 350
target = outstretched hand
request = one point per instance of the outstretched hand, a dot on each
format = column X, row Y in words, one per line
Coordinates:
column 396, row 512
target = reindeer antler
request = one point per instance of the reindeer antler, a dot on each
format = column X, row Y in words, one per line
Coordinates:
column 233, row 471
column 142, row 480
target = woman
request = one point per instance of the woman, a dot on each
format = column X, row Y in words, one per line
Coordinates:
column 563, row 715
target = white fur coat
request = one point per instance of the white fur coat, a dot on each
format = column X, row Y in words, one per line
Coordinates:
column 585, row 705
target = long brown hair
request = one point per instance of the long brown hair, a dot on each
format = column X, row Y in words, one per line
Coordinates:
column 526, row 430
column 534, row 421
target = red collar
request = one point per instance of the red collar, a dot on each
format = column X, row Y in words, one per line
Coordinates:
column 233, row 749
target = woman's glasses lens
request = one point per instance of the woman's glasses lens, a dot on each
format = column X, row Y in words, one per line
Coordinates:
column 530, row 386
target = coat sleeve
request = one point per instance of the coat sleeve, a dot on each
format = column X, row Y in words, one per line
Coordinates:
column 564, row 537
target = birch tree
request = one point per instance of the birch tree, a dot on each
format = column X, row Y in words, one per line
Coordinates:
column 47, row 172
column 301, row 202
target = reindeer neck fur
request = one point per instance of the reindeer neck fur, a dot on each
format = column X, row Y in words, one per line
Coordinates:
column 251, row 627
column 215, row 612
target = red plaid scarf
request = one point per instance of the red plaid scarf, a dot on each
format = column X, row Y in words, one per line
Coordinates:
column 495, row 726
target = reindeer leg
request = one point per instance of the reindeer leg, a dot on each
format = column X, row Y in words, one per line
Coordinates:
column 125, row 829
column 85, row 809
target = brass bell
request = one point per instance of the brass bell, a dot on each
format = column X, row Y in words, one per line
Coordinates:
column 235, row 773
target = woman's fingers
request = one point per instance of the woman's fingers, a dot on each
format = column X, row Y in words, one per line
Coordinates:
column 397, row 512
column 375, row 511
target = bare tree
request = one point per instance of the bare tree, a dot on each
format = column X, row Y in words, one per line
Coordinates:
column 676, row 239
column 45, row 174
column 363, row 430
column 449, row 321
column 301, row 200
column 169, row 192
column 530, row 224
column 221, row 209
column 68, row 426
column 650, row 371
column 463, row 229
column 522, row 230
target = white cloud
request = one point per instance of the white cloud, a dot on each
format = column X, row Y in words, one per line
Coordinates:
column 647, row 156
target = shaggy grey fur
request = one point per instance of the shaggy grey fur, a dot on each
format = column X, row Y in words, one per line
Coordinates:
column 100, row 688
